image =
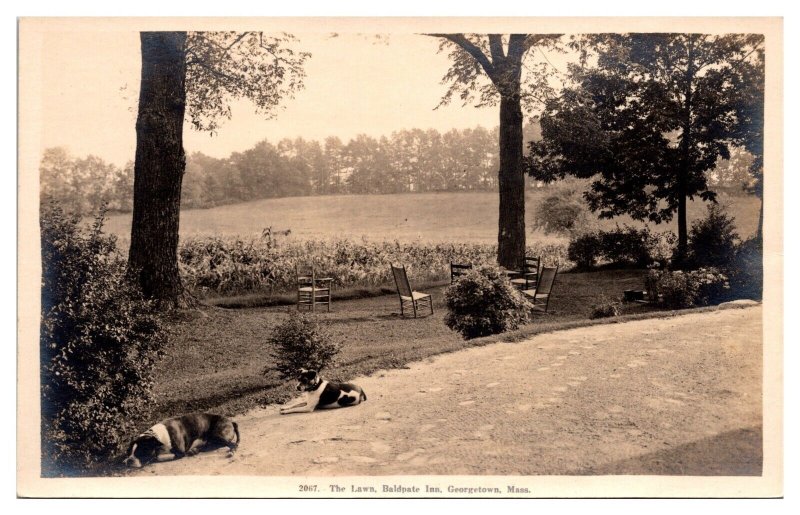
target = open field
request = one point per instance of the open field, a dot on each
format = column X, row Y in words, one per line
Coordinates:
column 428, row 217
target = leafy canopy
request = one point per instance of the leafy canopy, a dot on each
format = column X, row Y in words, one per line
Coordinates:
column 239, row 65
column 503, row 60
column 651, row 107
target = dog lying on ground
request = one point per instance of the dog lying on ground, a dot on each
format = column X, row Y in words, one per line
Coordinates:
column 322, row 394
column 176, row 437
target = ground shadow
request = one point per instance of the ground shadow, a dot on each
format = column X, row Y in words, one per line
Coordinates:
column 734, row 453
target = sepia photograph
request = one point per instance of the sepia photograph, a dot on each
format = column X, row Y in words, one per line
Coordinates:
column 400, row 257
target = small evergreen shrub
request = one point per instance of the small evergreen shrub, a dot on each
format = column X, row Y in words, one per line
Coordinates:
column 99, row 343
column 484, row 302
column 301, row 342
column 585, row 250
column 713, row 240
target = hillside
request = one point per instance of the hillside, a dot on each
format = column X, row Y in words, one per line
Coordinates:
column 451, row 216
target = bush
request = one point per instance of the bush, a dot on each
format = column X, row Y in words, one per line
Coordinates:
column 605, row 309
column 747, row 270
column 484, row 302
column 679, row 289
column 627, row 246
column 99, row 343
column 585, row 250
column 301, row 342
column 564, row 211
column 661, row 246
column 713, row 240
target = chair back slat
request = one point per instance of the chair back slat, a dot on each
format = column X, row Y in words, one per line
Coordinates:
column 401, row 280
column 457, row 270
column 304, row 273
column 546, row 280
column 531, row 265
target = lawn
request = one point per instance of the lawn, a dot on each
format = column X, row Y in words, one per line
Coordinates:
column 216, row 356
column 428, row 217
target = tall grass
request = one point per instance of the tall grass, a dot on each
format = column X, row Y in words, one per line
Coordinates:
column 232, row 265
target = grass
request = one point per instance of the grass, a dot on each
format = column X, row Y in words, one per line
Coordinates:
column 428, row 217
column 216, row 357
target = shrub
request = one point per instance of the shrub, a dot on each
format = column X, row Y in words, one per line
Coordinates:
column 713, row 240
column 626, row 246
column 99, row 342
column 661, row 246
column 585, row 250
column 679, row 289
column 747, row 270
column 484, row 302
column 301, row 342
column 606, row 308
column 563, row 211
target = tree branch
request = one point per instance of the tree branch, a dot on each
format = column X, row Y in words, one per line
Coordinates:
column 496, row 47
column 471, row 49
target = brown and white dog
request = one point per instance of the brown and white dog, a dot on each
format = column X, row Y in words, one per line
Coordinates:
column 176, row 437
column 322, row 394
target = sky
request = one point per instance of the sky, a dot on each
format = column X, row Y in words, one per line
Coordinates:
column 354, row 84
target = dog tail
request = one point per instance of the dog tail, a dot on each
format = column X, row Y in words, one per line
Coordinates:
column 236, row 430
column 363, row 396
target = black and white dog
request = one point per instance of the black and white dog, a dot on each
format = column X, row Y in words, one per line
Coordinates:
column 322, row 394
column 176, row 437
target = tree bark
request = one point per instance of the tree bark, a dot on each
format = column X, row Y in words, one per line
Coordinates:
column 511, row 178
column 159, row 167
column 686, row 160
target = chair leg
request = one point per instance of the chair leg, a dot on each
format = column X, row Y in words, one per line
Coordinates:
column 414, row 304
column 430, row 303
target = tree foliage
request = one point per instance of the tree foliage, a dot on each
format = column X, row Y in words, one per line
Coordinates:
column 477, row 75
column 412, row 160
column 647, row 116
column 221, row 66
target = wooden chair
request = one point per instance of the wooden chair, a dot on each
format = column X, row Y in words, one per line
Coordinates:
column 540, row 297
column 407, row 295
column 312, row 290
column 528, row 277
column 457, row 271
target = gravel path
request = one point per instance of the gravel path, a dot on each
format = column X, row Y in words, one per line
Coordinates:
column 678, row 395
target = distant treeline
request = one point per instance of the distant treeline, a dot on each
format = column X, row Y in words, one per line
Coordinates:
column 407, row 161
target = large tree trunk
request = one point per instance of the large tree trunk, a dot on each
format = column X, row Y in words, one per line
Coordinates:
column 159, row 167
column 511, row 226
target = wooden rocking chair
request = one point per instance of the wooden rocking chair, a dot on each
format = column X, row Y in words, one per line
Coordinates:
column 540, row 297
column 409, row 297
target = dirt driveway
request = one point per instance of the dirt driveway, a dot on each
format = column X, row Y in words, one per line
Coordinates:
column 672, row 396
